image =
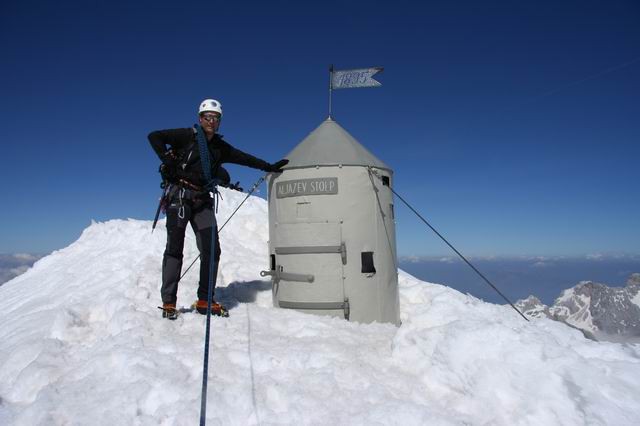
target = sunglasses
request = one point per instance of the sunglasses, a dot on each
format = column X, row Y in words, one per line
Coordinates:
column 210, row 117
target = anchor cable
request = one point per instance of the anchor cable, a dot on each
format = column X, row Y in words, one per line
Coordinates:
column 454, row 249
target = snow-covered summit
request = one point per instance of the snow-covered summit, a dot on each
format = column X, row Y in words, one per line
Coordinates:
column 83, row 343
column 533, row 307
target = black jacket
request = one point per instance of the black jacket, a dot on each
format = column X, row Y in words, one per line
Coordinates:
column 185, row 144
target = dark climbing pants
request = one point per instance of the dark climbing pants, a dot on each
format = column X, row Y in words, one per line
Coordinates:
column 201, row 217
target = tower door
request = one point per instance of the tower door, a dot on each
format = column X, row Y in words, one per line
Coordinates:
column 309, row 259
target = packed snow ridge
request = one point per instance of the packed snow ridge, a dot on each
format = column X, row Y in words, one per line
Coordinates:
column 83, row 343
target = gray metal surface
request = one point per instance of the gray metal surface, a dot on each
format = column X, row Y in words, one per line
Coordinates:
column 316, row 186
column 312, row 305
column 309, row 250
column 279, row 275
column 331, row 145
column 315, row 233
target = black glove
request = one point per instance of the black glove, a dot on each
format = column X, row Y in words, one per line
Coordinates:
column 169, row 158
column 277, row 167
column 236, row 186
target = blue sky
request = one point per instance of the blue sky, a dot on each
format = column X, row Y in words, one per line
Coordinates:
column 512, row 126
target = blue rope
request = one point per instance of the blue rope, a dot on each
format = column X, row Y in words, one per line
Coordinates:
column 213, row 270
column 204, row 155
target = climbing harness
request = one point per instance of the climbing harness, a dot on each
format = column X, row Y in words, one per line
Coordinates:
column 375, row 173
column 185, row 189
column 191, row 186
column 253, row 188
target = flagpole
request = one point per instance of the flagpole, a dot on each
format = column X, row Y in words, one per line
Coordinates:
column 330, row 86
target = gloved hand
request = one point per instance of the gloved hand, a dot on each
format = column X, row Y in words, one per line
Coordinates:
column 169, row 158
column 236, row 186
column 277, row 166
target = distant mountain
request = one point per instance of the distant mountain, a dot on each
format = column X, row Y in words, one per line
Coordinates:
column 610, row 313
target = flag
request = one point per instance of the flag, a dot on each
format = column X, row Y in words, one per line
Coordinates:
column 349, row 79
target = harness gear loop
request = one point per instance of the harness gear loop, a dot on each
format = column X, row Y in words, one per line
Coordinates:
column 181, row 198
column 191, row 186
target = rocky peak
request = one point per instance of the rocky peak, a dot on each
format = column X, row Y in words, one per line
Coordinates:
column 533, row 307
column 594, row 307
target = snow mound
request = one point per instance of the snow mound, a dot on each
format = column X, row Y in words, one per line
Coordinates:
column 83, row 343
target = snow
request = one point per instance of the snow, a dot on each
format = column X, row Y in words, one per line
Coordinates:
column 582, row 318
column 567, row 295
column 83, row 343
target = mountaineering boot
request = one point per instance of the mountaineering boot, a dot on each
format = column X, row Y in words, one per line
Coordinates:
column 216, row 308
column 169, row 311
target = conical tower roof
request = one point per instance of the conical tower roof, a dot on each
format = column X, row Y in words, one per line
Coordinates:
column 330, row 145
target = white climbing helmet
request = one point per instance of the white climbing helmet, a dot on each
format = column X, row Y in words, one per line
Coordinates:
column 210, row 105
